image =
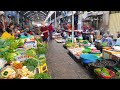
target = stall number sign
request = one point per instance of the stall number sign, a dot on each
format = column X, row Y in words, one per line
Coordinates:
column 30, row 45
column 21, row 58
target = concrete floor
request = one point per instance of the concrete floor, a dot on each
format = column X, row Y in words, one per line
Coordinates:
column 62, row 66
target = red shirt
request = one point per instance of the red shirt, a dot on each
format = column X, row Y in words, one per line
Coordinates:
column 50, row 28
column 30, row 33
column 46, row 33
column 84, row 28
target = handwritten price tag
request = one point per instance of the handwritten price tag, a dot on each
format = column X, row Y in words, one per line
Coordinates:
column 21, row 58
column 30, row 45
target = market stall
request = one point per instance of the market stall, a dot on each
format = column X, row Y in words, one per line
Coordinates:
column 104, row 65
column 23, row 58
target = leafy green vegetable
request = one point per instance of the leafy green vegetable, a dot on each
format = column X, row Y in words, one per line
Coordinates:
column 102, row 71
column 104, row 44
column 69, row 44
column 39, row 40
column 20, row 42
column 86, row 51
column 40, row 45
column 41, row 58
column 9, row 56
column 42, row 76
column 98, row 70
column 11, row 43
column 105, row 71
column 31, row 52
column 85, row 42
column 43, row 45
column 31, row 64
column 31, row 68
column 41, row 50
column 118, row 73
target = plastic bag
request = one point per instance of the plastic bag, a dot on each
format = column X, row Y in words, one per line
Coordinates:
column 6, row 35
column 42, row 35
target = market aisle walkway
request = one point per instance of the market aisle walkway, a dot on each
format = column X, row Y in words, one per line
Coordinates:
column 62, row 66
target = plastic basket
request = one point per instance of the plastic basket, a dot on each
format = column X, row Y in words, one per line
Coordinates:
column 110, row 63
column 112, row 74
column 88, row 57
column 43, row 68
column 87, row 61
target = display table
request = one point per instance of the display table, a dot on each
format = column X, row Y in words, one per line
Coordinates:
column 56, row 35
column 60, row 40
column 107, row 54
column 74, row 51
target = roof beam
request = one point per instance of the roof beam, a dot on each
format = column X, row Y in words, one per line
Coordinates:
column 43, row 12
column 49, row 15
column 30, row 14
column 26, row 12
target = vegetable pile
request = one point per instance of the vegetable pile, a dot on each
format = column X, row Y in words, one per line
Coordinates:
column 104, row 73
column 104, row 44
column 31, row 52
column 69, row 44
column 31, row 64
column 12, row 50
column 42, row 76
column 85, row 42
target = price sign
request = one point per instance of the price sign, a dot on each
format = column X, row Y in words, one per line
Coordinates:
column 21, row 58
column 31, row 45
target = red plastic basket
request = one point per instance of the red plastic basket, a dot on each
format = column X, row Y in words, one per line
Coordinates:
column 112, row 74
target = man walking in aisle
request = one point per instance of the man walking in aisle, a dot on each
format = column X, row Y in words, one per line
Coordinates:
column 50, row 30
column 44, row 29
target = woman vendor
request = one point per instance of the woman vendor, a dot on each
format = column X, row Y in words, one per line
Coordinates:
column 107, row 39
column 10, row 29
column 17, row 32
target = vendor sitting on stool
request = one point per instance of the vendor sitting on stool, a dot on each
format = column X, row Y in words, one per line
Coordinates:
column 65, row 34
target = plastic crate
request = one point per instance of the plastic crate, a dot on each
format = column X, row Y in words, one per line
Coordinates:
column 43, row 68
